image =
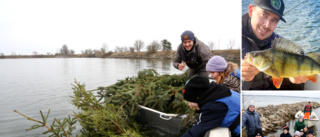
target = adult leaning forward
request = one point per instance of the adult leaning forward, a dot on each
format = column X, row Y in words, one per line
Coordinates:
column 194, row 53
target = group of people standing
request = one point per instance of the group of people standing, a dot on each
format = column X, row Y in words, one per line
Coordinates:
column 251, row 121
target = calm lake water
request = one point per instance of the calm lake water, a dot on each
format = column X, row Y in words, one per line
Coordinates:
column 303, row 23
column 31, row 85
column 262, row 101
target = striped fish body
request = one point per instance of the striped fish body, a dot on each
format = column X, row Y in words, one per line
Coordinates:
column 284, row 65
column 284, row 60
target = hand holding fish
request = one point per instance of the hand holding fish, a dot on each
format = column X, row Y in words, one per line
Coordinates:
column 298, row 79
column 248, row 71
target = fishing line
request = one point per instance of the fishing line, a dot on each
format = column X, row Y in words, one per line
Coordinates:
column 295, row 7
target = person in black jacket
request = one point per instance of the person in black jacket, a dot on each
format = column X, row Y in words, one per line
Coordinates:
column 258, row 27
column 193, row 53
column 285, row 132
column 218, row 106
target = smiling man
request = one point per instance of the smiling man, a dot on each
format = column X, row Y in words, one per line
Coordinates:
column 194, row 53
column 258, row 27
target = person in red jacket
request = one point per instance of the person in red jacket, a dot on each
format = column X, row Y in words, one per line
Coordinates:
column 307, row 110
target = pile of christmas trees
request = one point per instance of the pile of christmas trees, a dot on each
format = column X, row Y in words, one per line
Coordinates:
column 114, row 113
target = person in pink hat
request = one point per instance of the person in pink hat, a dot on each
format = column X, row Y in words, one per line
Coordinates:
column 224, row 72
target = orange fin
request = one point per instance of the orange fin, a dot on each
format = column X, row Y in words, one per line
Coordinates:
column 313, row 78
column 277, row 82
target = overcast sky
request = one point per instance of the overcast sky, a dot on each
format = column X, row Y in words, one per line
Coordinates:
column 44, row 26
column 315, row 94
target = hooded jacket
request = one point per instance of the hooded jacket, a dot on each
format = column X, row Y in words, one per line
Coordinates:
column 299, row 125
column 251, row 121
column 196, row 59
column 285, row 135
column 250, row 43
column 215, row 104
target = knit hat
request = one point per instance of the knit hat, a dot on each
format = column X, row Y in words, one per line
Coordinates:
column 301, row 117
column 216, row 64
column 187, row 35
column 251, row 103
column 311, row 131
column 194, row 87
column 297, row 133
column 286, row 128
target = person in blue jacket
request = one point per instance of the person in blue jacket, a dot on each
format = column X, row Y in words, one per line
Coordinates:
column 218, row 106
column 224, row 72
column 258, row 27
column 251, row 120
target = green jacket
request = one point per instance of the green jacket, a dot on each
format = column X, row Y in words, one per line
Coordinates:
column 298, row 125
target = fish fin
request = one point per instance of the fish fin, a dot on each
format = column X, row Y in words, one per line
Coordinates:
column 277, row 82
column 263, row 69
column 313, row 78
column 315, row 56
column 284, row 45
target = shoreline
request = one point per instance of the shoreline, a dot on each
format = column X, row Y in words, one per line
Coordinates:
column 229, row 55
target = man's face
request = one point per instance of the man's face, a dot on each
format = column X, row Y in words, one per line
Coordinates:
column 187, row 44
column 305, row 129
column 251, row 108
column 310, row 135
column 285, row 131
column 300, row 119
column 263, row 22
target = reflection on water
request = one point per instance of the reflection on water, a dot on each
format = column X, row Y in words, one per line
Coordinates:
column 303, row 23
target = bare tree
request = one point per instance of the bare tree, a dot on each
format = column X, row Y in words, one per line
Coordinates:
column 71, row 52
column 64, row 50
column 1, row 54
column 154, row 46
column 211, row 45
column 104, row 48
column 35, row 53
column 48, row 53
column 138, row 45
column 166, row 45
column 231, row 43
column 131, row 49
column 118, row 49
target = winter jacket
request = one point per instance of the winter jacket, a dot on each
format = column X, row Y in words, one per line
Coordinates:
column 220, row 112
column 251, row 121
column 233, row 81
column 285, row 135
column 299, row 125
column 308, row 109
column 196, row 59
column 250, row 43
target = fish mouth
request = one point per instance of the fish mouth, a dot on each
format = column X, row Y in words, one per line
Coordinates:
column 249, row 58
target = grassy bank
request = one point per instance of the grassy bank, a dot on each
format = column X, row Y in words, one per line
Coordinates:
column 230, row 55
